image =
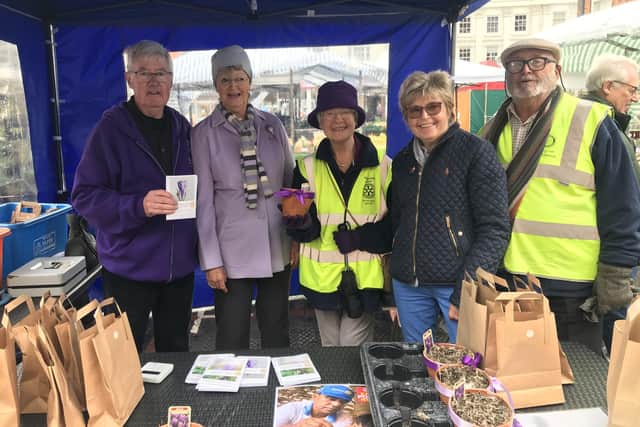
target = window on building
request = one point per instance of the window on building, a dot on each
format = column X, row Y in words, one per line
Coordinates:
column 285, row 83
column 465, row 54
column 464, row 26
column 520, row 23
column 17, row 179
column 492, row 24
column 558, row 18
column 359, row 53
column 492, row 54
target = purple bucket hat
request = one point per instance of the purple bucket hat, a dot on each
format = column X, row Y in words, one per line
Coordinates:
column 338, row 94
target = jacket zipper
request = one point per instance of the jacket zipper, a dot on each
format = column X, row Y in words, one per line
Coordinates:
column 415, row 229
column 447, row 220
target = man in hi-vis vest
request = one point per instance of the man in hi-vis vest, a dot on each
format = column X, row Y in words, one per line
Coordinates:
column 574, row 201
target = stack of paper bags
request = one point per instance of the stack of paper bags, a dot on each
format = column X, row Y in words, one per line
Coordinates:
column 518, row 351
column 623, row 381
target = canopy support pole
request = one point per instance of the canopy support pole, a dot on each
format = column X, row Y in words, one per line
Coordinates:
column 63, row 194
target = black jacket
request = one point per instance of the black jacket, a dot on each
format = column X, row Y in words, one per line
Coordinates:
column 451, row 216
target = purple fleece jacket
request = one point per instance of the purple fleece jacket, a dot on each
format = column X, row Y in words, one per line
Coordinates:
column 116, row 171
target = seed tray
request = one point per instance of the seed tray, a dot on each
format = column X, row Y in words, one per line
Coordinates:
column 400, row 392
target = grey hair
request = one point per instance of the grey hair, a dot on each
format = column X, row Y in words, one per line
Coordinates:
column 144, row 49
column 420, row 83
column 609, row 67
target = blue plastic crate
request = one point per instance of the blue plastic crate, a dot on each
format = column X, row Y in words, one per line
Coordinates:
column 45, row 235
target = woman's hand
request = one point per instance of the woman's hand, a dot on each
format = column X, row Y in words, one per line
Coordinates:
column 159, row 202
column 453, row 312
column 217, row 279
column 294, row 255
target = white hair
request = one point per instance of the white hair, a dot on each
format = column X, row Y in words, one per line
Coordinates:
column 144, row 49
column 609, row 67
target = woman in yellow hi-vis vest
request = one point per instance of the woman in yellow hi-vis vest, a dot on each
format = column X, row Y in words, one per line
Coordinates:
column 350, row 179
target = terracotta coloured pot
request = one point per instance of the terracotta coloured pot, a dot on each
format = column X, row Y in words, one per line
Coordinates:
column 432, row 365
column 445, row 391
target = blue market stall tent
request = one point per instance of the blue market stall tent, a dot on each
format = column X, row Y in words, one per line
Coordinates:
column 70, row 53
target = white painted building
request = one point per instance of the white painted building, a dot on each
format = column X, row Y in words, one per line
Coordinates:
column 485, row 33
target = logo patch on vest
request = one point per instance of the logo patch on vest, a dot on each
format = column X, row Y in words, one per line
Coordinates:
column 369, row 191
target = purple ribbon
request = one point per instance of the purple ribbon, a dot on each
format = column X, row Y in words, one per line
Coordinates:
column 298, row 194
column 472, row 361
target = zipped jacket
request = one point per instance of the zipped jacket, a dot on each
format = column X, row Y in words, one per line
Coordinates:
column 449, row 216
column 116, row 171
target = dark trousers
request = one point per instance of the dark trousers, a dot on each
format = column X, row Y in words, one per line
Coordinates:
column 573, row 325
column 233, row 312
column 170, row 304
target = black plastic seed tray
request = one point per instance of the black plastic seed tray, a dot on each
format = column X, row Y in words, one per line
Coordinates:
column 400, row 392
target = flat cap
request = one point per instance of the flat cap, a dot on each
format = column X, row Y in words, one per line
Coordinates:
column 532, row 43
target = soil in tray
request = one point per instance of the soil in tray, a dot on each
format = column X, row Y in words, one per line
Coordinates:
column 447, row 354
column 482, row 410
column 473, row 377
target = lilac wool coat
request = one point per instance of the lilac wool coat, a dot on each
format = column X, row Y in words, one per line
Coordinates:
column 248, row 243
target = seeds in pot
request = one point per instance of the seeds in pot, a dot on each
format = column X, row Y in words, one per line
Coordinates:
column 446, row 354
column 482, row 410
column 473, row 377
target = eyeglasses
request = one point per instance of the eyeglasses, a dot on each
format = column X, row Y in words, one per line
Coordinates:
column 633, row 90
column 335, row 114
column 146, row 76
column 237, row 80
column 432, row 109
column 536, row 63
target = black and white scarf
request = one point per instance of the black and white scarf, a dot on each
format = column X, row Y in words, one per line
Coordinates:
column 252, row 170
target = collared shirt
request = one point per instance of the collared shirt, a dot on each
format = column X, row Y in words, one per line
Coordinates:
column 519, row 129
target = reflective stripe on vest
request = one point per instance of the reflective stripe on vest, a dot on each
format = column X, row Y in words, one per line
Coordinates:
column 555, row 233
column 321, row 264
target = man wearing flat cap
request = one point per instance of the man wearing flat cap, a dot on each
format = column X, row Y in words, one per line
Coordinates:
column 574, row 203
column 325, row 409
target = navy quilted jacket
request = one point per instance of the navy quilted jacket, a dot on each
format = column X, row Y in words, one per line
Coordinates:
column 461, row 221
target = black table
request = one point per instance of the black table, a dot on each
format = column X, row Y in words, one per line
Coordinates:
column 254, row 406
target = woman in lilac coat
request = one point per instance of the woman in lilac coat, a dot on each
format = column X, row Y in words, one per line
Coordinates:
column 242, row 156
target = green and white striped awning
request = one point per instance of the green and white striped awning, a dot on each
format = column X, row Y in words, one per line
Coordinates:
column 578, row 56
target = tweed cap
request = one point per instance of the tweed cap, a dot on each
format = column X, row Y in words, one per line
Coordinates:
column 532, row 43
column 230, row 56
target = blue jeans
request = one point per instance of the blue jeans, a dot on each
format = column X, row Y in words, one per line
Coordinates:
column 418, row 309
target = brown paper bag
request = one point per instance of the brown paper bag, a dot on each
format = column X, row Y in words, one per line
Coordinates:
column 49, row 318
column 623, row 387
column 111, row 366
column 9, row 409
column 523, row 349
column 68, row 336
column 63, row 408
column 476, row 304
column 34, row 384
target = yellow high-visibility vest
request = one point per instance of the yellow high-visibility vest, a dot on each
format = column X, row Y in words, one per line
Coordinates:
column 555, row 231
column 321, row 263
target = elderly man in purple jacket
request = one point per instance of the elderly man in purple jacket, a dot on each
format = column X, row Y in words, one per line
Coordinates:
column 119, row 188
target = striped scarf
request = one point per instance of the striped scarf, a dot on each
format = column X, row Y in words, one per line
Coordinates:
column 252, row 170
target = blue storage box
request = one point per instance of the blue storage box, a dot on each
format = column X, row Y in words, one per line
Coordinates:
column 42, row 236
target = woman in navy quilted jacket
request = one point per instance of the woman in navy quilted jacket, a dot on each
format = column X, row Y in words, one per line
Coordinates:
column 448, row 208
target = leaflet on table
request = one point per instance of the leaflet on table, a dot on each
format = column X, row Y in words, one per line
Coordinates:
column 298, row 369
column 200, row 365
column 184, row 189
column 295, row 403
column 223, row 374
column 586, row 417
column 256, row 373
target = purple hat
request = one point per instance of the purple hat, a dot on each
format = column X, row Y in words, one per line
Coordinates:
column 338, row 94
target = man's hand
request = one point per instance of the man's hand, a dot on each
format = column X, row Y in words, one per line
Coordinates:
column 453, row 312
column 612, row 287
column 393, row 315
column 347, row 240
column 159, row 202
column 217, row 279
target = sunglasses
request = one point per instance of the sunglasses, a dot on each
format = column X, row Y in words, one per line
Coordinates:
column 432, row 109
